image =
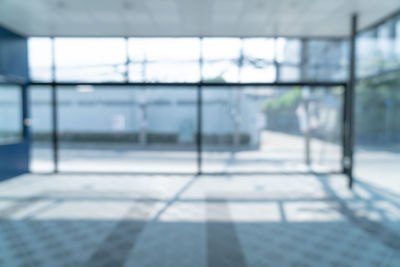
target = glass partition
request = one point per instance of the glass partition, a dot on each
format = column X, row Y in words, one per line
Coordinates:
column 377, row 128
column 272, row 129
column 41, row 128
column 378, row 49
column 11, row 119
column 127, row 129
column 153, row 129
column 128, row 124
column 377, row 106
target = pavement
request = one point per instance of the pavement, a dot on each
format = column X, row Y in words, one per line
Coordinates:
column 277, row 152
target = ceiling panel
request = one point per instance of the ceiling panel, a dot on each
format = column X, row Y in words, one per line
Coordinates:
column 190, row 17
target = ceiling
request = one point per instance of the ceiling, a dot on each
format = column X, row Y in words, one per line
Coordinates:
column 313, row 18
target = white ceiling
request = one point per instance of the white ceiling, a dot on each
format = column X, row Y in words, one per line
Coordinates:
column 190, row 17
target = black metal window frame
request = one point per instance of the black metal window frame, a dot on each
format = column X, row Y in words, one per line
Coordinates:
column 346, row 119
column 347, row 106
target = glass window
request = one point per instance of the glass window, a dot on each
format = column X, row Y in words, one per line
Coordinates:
column 255, row 73
column 221, row 59
column 289, row 73
column 377, row 103
column 377, row 128
column 326, row 60
column 130, row 128
column 378, row 49
column 41, row 128
column 385, row 44
column 367, row 58
column 40, row 59
column 265, row 129
column 258, row 57
column 11, row 129
column 164, row 59
column 397, row 41
column 259, row 48
column 90, row 59
column 178, row 59
column 288, row 50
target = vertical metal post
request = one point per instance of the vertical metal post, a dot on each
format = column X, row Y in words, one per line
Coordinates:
column 25, row 111
column 344, row 129
column 304, row 77
column 54, row 109
column 275, row 61
column 199, row 128
column 127, row 60
column 240, row 61
column 235, row 109
column 199, row 134
column 307, row 134
column 349, row 105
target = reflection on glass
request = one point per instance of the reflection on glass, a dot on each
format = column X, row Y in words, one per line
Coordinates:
column 11, row 126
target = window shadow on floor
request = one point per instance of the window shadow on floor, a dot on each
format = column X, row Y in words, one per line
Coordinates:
column 202, row 224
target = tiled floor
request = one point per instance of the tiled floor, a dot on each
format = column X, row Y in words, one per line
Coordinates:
column 103, row 220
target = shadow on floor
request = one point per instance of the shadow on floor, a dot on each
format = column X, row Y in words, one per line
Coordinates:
column 216, row 230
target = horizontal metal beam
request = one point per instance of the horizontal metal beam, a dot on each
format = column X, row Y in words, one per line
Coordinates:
column 194, row 84
column 256, row 173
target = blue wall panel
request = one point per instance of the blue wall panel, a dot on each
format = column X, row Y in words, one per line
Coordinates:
column 14, row 158
column 13, row 54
